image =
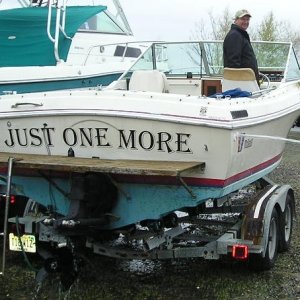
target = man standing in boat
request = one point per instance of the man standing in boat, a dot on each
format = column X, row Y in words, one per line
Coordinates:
column 237, row 48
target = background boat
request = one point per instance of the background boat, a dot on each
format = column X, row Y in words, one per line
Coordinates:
column 88, row 48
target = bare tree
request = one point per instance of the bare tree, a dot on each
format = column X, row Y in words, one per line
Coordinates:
column 268, row 30
column 219, row 26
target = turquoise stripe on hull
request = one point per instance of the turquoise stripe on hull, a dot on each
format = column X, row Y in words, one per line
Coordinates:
column 32, row 87
column 154, row 201
column 146, row 201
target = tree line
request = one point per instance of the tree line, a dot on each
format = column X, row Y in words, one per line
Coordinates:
column 269, row 29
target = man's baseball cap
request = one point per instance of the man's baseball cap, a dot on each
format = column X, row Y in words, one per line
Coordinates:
column 241, row 13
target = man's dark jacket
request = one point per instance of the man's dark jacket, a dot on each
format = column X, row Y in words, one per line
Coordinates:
column 237, row 50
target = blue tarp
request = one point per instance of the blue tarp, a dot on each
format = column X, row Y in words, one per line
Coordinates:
column 234, row 93
column 23, row 34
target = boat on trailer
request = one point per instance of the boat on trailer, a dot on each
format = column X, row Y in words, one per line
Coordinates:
column 223, row 140
column 56, row 46
column 165, row 137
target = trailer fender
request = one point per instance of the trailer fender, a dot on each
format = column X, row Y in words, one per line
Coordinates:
column 277, row 200
column 256, row 220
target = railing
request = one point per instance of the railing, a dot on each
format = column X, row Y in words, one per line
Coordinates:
column 60, row 23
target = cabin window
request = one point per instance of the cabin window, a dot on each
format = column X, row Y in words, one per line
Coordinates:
column 129, row 51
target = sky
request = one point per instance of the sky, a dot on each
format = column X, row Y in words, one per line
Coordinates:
column 176, row 19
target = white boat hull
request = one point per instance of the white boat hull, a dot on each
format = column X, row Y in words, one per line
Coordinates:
column 118, row 125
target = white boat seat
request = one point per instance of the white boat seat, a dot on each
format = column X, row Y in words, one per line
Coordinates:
column 243, row 78
column 149, row 81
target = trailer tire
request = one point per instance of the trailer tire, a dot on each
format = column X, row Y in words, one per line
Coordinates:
column 259, row 262
column 286, row 225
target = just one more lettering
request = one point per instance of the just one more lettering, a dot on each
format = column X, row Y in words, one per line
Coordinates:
column 101, row 137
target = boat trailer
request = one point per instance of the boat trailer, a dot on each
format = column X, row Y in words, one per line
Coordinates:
column 250, row 225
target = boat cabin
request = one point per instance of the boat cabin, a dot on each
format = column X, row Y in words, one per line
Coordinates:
column 196, row 69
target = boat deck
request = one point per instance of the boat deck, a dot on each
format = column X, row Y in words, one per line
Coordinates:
column 82, row 165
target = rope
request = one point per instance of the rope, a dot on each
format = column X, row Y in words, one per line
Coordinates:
column 268, row 137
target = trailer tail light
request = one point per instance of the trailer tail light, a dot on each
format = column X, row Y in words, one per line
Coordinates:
column 240, row 252
column 12, row 199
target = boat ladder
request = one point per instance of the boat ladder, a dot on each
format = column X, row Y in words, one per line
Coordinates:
column 7, row 201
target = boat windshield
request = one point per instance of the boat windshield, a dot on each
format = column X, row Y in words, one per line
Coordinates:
column 205, row 59
column 113, row 20
column 278, row 59
column 101, row 23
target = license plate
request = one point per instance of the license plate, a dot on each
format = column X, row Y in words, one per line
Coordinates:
column 28, row 242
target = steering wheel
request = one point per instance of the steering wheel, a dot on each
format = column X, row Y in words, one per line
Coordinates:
column 264, row 79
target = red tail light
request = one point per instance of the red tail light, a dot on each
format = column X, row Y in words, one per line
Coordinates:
column 12, row 199
column 240, row 252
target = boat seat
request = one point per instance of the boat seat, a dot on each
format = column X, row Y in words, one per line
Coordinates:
column 243, row 78
column 149, row 81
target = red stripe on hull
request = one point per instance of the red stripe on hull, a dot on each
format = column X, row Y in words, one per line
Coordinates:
column 162, row 180
column 208, row 182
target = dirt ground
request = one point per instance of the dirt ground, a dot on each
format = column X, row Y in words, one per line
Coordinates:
column 105, row 278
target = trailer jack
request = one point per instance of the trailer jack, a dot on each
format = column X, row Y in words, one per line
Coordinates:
column 63, row 262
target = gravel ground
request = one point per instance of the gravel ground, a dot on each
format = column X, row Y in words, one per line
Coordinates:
column 189, row 279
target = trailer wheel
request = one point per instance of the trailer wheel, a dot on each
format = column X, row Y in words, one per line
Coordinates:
column 257, row 261
column 286, row 226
